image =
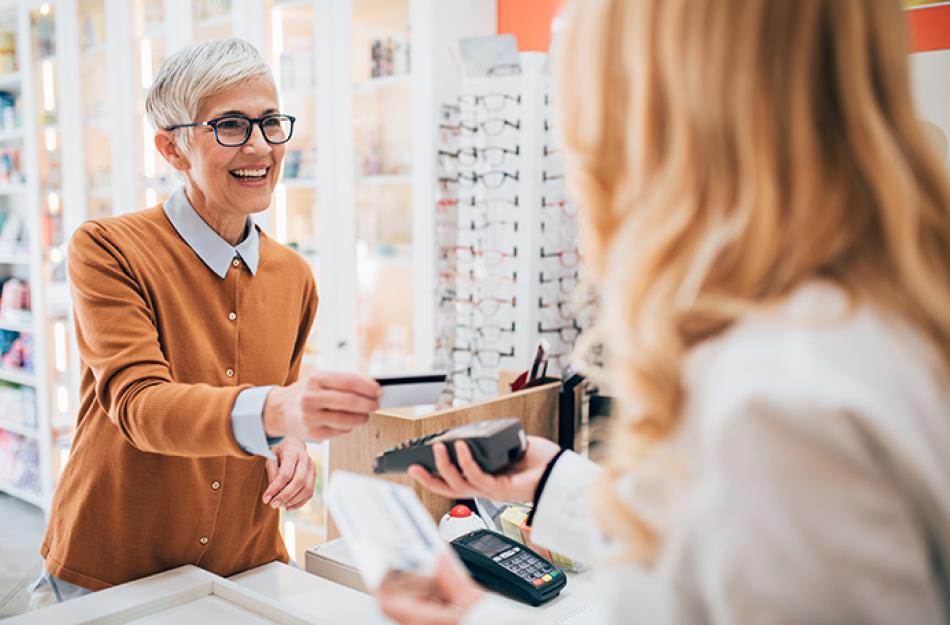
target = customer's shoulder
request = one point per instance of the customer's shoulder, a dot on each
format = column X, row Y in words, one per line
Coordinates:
column 820, row 353
column 279, row 259
column 141, row 229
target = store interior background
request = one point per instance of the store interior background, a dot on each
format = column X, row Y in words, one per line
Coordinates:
column 69, row 153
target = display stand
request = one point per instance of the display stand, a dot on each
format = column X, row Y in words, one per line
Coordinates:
column 508, row 265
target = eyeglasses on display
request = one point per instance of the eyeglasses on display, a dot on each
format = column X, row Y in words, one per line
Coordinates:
column 445, row 203
column 485, row 224
column 505, row 69
column 232, row 131
column 569, row 258
column 563, row 309
column 490, row 101
column 491, row 179
column 567, row 283
column 467, row 253
column 487, row 306
column 568, row 333
column 487, row 333
column 548, row 150
column 486, row 384
column 491, row 127
column 487, row 358
column 568, row 208
column 546, row 177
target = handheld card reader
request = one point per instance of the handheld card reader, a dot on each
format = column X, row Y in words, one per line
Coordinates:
column 496, row 444
column 506, row 566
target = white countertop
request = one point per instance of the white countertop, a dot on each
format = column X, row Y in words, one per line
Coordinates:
column 334, row 603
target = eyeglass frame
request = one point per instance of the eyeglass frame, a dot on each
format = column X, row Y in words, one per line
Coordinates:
column 213, row 123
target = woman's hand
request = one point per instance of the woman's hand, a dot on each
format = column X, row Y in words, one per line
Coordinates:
column 518, row 484
column 320, row 405
column 450, row 596
column 291, row 475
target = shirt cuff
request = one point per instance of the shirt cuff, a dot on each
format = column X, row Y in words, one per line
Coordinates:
column 247, row 422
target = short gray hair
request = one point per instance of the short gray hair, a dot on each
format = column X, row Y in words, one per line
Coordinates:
column 197, row 72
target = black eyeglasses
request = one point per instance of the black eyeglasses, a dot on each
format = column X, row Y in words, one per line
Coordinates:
column 566, row 283
column 232, row 131
column 491, row 127
column 567, row 334
column 491, row 179
column 491, row 101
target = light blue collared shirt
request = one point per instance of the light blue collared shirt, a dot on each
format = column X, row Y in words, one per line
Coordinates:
column 247, row 413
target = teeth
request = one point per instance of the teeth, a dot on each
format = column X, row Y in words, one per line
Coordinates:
column 249, row 173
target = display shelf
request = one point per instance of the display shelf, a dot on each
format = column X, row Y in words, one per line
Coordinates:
column 12, row 188
column 382, row 82
column 12, row 134
column 11, row 81
column 28, row 496
column 19, row 428
column 16, row 326
column 384, row 179
column 24, row 378
column 293, row 183
column 14, row 259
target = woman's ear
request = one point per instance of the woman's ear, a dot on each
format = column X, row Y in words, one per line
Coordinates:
column 167, row 146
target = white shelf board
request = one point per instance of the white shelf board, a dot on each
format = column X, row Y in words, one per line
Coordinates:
column 373, row 84
column 10, row 82
column 11, row 134
column 384, row 179
column 19, row 428
column 24, row 378
column 16, row 326
column 21, row 493
column 14, row 259
column 15, row 188
column 293, row 183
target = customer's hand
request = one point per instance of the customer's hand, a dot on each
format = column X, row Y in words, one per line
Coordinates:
column 320, row 405
column 448, row 598
column 291, row 476
column 516, row 485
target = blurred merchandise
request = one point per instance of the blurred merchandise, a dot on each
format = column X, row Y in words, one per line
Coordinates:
column 390, row 57
column 9, row 117
column 19, row 462
column 209, row 9
column 14, row 300
column 17, row 404
column 10, row 166
column 7, row 52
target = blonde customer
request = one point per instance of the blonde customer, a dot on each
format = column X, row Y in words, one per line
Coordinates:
column 770, row 232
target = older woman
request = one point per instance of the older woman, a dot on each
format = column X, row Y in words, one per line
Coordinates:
column 770, row 230
column 191, row 326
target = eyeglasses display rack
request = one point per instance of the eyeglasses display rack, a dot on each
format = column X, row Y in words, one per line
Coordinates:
column 508, row 260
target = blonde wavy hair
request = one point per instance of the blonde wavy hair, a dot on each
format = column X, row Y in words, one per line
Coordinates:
column 725, row 152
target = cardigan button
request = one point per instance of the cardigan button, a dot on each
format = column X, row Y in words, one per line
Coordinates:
column 232, row 316
column 215, row 485
column 203, row 540
column 229, row 373
column 235, row 263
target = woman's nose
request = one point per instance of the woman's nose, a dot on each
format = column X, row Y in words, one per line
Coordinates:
column 256, row 142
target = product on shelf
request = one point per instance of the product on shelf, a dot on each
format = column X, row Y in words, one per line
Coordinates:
column 19, row 462
column 17, row 404
column 9, row 118
column 7, row 52
column 17, row 350
column 14, row 300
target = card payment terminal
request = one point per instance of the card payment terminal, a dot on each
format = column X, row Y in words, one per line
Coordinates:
column 508, row 567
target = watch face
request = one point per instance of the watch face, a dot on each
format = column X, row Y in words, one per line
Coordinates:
column 475, row 430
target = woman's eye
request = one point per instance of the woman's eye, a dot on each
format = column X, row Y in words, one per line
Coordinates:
column 230, row 124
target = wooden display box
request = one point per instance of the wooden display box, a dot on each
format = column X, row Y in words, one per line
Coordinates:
column 536, row 407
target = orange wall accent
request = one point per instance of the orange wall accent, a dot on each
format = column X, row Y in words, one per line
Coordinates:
column 529, row 21
column 929, row 28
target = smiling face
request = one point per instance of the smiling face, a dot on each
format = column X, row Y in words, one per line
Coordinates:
column 226, row 184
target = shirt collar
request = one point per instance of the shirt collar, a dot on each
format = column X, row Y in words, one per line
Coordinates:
column 213, row 251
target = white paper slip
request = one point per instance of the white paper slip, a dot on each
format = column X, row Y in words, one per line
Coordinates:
column 384, row 525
